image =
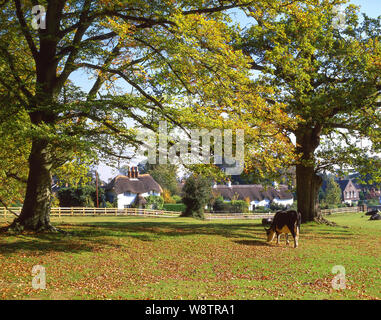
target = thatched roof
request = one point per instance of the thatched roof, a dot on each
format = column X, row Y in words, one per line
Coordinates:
column 144, row 183
column 253, row 192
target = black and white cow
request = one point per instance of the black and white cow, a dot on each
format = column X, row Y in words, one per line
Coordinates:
column 371, row 213
column 376, row 216
column 285, row 222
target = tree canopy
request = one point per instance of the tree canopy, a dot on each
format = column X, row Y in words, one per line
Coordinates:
column 186, row 62
column 328, row 77
column 148, row 60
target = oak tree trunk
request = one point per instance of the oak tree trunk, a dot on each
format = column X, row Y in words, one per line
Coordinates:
column 307, row 190
column 35, row 213
column 308, row 183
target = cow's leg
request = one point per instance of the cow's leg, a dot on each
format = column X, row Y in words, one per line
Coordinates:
column 277, row 237
column 287, row 240
column 296, row 237
column 295, row 234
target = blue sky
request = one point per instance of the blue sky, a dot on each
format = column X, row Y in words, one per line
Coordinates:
column 371, row 7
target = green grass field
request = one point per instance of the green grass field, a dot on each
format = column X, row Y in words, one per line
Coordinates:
column 180, row 258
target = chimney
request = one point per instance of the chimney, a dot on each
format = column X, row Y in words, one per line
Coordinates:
column 136, row 172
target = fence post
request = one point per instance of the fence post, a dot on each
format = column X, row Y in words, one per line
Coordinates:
column 72, row 211
column 5, row 212
column 59, row 212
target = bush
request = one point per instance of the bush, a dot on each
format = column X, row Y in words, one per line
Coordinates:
column 167, row 196
column 235, row 206
column 325, row 205
column 177, row 198
column 262, row 210
column 219, row 204
column 277, row 207
column 155, row 202
column 239, row 206
column 55, row 202
column 372, row 202
column 179, row 207
column 109, row 204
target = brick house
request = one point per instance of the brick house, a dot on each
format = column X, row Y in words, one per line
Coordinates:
column 350, row 191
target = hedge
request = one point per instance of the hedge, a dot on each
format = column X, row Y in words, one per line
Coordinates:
column 180, row 207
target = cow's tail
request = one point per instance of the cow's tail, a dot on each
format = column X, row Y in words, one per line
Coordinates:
column 299, row 219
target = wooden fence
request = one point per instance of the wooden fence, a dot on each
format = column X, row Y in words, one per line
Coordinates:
column 211, row 216
column 216, row 216
column 341, row 210
column 82, row 211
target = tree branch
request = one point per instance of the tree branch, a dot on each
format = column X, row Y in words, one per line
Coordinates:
column 25, row 30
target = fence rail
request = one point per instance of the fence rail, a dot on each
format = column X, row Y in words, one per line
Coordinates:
column 82, row 211
column 209, row 216
column 341, row 210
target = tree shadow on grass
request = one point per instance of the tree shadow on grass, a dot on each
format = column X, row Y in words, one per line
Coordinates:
column 91, row 236
column 149, row 230
column 41, row 244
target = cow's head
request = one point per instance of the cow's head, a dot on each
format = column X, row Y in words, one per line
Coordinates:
column 270, row 234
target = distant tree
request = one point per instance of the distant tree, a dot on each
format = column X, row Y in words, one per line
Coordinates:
column 81, row 196
column 332, row 193
column 197, row 193
column 321, row 195
column 165, row 175
column 362, row 196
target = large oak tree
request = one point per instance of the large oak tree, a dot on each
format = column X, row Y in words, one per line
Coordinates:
column 140, row 56
column 327, row 74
